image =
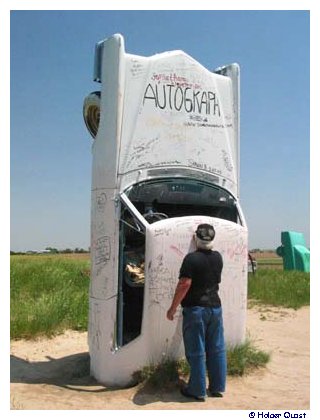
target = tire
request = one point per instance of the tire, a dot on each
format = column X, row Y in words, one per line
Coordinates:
column 91, row 112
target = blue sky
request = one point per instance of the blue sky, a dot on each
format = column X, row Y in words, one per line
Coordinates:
column 51, row 73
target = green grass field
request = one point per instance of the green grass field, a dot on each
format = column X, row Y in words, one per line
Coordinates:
column 290, row 289
column 48, row 294
column 270, row 260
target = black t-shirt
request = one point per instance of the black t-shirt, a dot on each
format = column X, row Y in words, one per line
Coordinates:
column 204, row 268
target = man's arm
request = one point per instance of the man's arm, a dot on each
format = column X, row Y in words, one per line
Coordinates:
column 181, row 290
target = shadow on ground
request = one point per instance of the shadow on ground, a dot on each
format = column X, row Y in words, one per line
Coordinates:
column 67, row 372
column 148, row 394
column 73, row 373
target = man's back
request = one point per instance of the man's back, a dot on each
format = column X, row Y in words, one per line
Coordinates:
column 204, row 268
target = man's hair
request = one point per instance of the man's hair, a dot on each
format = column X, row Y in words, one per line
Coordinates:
column 200, row 244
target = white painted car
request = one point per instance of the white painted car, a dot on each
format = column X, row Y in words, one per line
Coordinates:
column 165, row 159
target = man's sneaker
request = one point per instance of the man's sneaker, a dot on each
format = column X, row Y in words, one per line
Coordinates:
column 215, row 394
column 186, row 394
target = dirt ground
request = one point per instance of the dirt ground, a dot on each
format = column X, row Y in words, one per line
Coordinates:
column 53, row 374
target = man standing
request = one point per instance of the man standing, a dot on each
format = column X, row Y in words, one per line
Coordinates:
column 203, row 336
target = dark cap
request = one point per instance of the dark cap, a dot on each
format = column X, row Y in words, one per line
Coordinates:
column 205, row 232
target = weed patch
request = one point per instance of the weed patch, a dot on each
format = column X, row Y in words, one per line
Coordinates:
column 241, row 359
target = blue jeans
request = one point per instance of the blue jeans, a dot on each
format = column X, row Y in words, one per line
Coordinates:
column 204, row 347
